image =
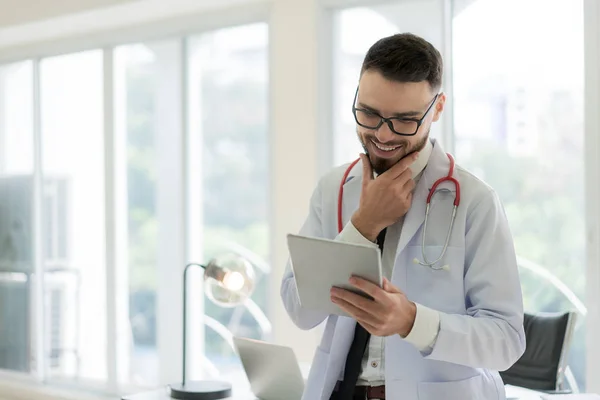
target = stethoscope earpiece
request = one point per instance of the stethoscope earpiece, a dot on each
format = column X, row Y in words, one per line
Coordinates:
column 445, row 267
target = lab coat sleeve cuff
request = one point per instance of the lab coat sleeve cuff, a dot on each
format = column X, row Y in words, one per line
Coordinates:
column 351, row 235
column 425, row 329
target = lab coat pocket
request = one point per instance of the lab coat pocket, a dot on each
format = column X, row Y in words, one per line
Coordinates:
column 467, row 389
column 441, row 286
column 316, row 377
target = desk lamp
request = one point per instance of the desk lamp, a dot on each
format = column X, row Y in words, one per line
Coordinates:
column 228, row 282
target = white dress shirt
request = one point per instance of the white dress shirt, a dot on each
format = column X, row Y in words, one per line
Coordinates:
column 427, row 321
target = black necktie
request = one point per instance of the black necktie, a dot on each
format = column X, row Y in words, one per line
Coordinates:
column 356, row 352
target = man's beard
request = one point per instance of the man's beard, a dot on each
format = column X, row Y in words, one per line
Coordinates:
column 381, row 165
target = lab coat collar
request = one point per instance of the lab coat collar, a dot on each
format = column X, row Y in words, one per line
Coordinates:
column 437, row 167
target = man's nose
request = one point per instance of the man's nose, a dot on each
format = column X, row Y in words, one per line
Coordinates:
column 384, row 134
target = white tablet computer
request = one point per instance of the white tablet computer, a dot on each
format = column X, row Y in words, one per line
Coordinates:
column 319, row 264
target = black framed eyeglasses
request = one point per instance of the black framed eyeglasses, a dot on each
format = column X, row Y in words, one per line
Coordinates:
column 399, row 125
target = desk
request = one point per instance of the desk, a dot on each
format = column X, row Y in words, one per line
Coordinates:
column 163, row 394
column 237, row 377
column 244, row 394
column 515, row 392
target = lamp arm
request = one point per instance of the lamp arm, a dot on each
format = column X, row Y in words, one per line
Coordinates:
column 185, row 275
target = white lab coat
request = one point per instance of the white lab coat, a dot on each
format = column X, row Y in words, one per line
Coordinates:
column 479, row 299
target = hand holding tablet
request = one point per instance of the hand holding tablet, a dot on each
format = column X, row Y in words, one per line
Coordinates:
column 320, row 264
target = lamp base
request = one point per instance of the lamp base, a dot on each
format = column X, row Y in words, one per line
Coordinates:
column 201, row 390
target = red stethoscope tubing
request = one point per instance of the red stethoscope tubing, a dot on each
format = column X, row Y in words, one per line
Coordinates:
column 341, row 195
column 448, row 177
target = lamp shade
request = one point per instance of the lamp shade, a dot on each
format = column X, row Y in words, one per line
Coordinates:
column 229, row 280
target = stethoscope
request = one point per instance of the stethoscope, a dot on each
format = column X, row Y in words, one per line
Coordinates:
column 447, row 178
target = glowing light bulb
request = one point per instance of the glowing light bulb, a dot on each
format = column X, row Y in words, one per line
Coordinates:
column 233, row 280
column 229, row 280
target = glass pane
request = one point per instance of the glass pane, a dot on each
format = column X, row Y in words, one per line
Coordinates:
column 146, row 78
column 74, row 234
column 519, row 126
column 16, row 222
column 423, row 18
column 229, row 124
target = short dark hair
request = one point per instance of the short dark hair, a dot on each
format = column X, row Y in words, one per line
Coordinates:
column 405, row 57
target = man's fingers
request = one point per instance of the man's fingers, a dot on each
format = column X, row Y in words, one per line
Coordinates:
column 404, row 185
column 368, row 287
column 388, row 287
column 356, row 300
column 397, row 169
column 409, row 185
column 386, row 284
column 356, row 313
column 370, row 328
column 367, row 169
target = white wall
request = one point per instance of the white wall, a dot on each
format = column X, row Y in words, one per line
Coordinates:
column 592, row 165
column 109, row 25
column 295, row 140
column 19, row 12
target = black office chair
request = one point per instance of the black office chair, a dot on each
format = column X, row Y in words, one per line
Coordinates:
column 542, row 367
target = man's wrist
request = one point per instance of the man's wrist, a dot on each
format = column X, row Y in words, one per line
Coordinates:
column 412, row 315
column 425, row 330
column 364, row 227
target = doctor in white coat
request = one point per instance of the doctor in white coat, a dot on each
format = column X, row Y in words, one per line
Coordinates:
column 437, row 332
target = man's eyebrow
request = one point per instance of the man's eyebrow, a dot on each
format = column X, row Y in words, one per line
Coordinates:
column 367, row 107
column 406, row 114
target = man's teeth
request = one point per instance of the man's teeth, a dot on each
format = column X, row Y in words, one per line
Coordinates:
column 384, row 148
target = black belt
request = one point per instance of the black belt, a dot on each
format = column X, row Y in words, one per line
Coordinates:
column 362, row 392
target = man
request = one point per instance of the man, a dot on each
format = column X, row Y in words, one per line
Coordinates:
column 438, row 329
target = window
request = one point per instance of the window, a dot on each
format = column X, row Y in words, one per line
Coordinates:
column 229, row 172
column 518, row 104
column 218, row 158
column 423, row 17
column 16, row 219
column 72, row 132
column 187, row 179
column 518, row 122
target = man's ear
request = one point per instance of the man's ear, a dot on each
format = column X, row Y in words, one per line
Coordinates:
column 439, row 106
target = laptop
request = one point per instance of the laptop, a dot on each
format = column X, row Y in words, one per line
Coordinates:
column 272, row 370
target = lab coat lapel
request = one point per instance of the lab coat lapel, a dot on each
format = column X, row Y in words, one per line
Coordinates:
column 340, row 346
column 352, row 189
column 437, row 167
